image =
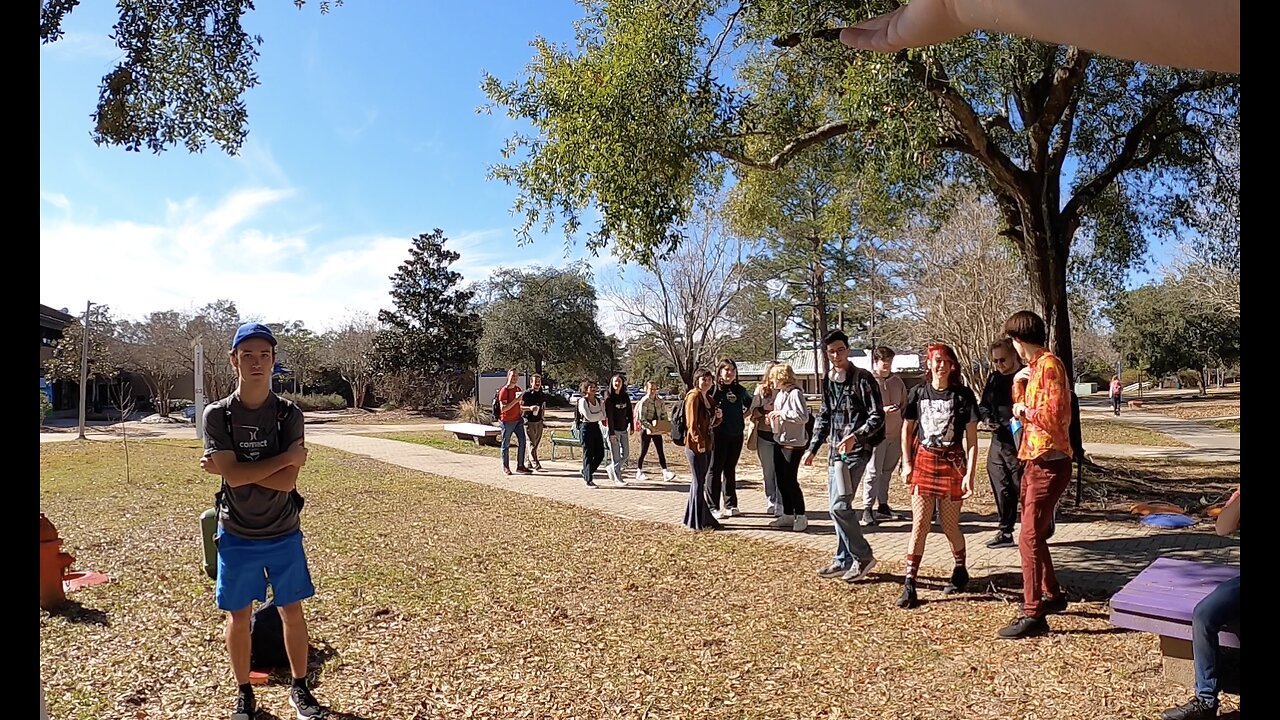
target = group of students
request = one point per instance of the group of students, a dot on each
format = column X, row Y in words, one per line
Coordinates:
column 870, row 423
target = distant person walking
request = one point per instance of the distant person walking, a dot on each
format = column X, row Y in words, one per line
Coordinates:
column 654, row 422
column 1116, row 390
column 587, row 417
column 534, row 404
column 512, row 417
column 619, row 416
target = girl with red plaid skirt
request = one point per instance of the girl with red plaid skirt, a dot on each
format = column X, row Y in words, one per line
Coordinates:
column 939, row 456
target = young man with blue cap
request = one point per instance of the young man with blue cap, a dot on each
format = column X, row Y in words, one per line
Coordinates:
column 254, row 440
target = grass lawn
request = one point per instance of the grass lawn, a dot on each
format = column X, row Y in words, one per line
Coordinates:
column 443, row 599
column 1113, row 432
column 1232, row 425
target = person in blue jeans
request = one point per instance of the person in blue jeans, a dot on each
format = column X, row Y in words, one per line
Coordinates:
column 1218, row 609
column 253, row 438
column 852, row 411
column 512, row 416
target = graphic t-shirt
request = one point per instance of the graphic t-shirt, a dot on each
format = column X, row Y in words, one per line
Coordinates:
column 253, row 511
column 733, row 400
column 506, row 395
column 941, row 415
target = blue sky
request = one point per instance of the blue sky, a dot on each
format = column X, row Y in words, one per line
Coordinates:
column 363, row 134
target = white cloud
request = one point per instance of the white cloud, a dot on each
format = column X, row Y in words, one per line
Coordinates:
column 199, row 254
column 57, row 200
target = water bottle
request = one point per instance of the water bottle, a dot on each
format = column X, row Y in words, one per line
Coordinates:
column 841, row 470
column 1015, row 429
column 209, row 528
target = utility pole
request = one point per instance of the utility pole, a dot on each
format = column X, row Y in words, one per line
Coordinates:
column 84, row 366
column 198, row 346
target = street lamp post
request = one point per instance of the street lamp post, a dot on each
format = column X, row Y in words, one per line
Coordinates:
column 84, row 366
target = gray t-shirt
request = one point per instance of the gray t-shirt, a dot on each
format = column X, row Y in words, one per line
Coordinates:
column 253, row 511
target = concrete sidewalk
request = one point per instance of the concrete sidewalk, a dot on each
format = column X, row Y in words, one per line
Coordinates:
column 1093, row 558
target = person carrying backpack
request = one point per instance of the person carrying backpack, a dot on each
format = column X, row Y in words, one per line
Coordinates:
column 698, row 420
column 254, row 439
column 852, row 416
column 788, row 423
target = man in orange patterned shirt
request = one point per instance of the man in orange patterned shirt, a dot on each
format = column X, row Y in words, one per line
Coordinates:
column 1044, row 407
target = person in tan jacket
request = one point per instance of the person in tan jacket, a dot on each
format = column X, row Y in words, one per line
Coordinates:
column 699, row 440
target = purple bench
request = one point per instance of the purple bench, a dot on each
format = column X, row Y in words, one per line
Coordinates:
column 1161, row 601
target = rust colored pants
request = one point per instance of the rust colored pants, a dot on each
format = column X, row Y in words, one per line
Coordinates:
column 1043, row 482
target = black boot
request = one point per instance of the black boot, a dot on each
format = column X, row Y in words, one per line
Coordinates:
column 1197, row 709
column 907, row 599
column 959, row 581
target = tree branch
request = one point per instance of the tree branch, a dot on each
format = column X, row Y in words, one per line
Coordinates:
column 816, row 136
column 1133, row 141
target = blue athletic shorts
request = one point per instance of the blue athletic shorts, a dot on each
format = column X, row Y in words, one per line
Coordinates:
column 246, row 567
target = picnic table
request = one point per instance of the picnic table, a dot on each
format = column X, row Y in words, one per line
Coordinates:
column 475, row 432
column 1162, row 599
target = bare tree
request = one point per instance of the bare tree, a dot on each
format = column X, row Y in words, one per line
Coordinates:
column 965, row 281
column 1207, row 280
column 157, row 349
column 349, row 350
column 681, row 299
column 215, row 324
column 124, row 400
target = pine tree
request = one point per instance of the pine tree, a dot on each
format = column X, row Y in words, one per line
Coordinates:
column 428, row 343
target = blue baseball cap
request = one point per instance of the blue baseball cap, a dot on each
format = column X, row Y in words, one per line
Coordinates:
column 253, row 330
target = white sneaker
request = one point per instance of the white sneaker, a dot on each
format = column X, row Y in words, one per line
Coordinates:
column 801, row 522
column 668, row 476
column 858, row 570
column 640, row 476
column 613, row 474
column 732, row 512
column 719, row 514
column 784, row 522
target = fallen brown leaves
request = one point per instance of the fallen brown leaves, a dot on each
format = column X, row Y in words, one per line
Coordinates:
column 442, row 599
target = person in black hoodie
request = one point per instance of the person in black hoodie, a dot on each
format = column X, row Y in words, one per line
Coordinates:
column 995, row 410
column 853, row 416
column 618, row 418
column 733, row 400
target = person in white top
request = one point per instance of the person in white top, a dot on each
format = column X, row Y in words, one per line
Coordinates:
column 654, row 422
column 787, row 423
column 762, row 405
column 586, row 419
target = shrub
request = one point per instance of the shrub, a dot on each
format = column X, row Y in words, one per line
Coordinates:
column 179, row 404
column 471, row 410
column 1189, row 378
column 310, row 403
column 46, row 407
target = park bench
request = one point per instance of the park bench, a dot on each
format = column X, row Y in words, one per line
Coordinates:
column 568, row 441
column 1161, row 600
column 475, row 432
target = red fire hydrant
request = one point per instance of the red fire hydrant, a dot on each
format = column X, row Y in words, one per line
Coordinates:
column 53, row 566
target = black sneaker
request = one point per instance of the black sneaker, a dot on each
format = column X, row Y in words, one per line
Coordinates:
column 907, row 599
column 1023, row 627
column 884, row 512
column 1197, row 709
column 1002, row 539
column 959, row 581
column 591, row 483
column 521, row 469
column 1053, row 606
column 304, row 704
column 245, row 708
column 868, row 518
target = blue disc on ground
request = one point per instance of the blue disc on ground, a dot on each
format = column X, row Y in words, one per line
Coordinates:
column 1168, row 520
